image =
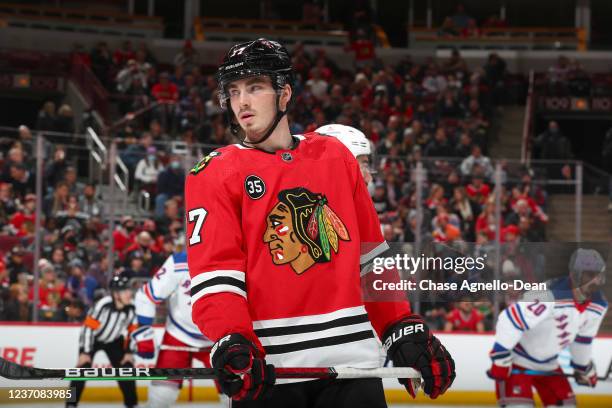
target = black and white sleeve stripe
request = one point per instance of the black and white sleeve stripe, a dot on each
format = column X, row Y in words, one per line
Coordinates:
column 217, row 282
column 99, row 312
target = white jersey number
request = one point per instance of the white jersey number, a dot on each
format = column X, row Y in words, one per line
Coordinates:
column 197, row 215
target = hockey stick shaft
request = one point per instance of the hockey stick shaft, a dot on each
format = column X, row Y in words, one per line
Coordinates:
column 553, row 374
column 185, row 348
column 15, row 371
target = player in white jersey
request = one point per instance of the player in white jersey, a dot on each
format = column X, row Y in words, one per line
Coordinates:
column 355, row 141
column 531, row 333
column 182, row 338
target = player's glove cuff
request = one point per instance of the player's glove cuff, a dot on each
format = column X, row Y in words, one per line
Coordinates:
column 409, row 343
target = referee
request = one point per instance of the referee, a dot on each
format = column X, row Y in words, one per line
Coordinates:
column 106, row 328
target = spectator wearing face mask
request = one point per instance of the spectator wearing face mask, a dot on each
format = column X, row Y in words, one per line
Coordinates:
column 170, row 183
column 147, row 171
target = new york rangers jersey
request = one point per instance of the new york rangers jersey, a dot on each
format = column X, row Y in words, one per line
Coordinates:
column 171, row 283
column 275, row 242
column 536, row 329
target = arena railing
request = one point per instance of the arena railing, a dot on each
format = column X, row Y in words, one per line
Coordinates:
column 553, row 38
column 81, row 20
column 286, row 31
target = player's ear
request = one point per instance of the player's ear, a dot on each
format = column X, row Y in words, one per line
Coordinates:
column 285, row 97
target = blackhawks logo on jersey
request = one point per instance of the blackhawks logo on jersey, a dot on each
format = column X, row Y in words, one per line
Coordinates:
column 203, row 163
column 303, row 230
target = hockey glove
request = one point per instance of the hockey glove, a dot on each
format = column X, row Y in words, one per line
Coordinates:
column 409, row 343
column 246, row 376
column 143, row 341
column 501, row 368
column 585, row 375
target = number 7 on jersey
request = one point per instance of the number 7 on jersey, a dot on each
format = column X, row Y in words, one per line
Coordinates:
column 196, row 215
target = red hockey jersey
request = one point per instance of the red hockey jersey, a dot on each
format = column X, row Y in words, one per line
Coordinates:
column 275, row 242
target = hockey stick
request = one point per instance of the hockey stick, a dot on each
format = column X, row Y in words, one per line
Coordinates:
column 185, row 348
column 605, row 377
column 15, row 371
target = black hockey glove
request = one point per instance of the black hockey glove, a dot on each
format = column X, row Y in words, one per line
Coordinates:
column 245, row 376
column 409, row 343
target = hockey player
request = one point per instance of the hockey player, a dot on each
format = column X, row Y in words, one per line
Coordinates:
column 531, row 333
column 181, row 338
column 277, row 228
column 355, row 141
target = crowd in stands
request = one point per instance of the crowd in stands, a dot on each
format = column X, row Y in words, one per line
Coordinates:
column 410, row 111
column 461, row 24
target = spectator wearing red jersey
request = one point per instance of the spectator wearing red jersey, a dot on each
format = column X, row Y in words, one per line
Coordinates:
column 464, row 317
column 50, row 288
column 122, row 55
column 165, row 91
column 485, row 222
column 363, row 48
column 24, row 219
column 444, row 230
column 478, row 191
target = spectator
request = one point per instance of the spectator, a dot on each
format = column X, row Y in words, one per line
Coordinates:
column 16, row 156
column 552, row 144
column 124, row 234
column 143, row 247
column 89, row 202
column 21, row 180
column 59, row 263
column 464, row 147
column 7, row 203
column 147, row 171
column 477, row 190
column 461, row 19
column 317, row 85
column 50, row 289
column 24, row 219
column 466, row 210
column 124, row 54
column 464, row 317
column 363, row 48
column 15, row 265
column 170, row 183
column 188, row 57
column 495, row 70
column 448, row 28
column 64, row 122
column 18, row 308
column 468, row 165
column 439, row 146
column 129, row 76
column 72, row 311
column 75, row 187
column 485, row 223
column 102, row 63
column 455, row 64
column 46, row 117
column 444, row 230
column 80, row 286
column 471, row 30
column 57, row 200
column 165, row 93
column 54, row 170
column 171, row 216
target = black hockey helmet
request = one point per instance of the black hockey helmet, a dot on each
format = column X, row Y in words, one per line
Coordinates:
column 254, row 58
column 261, row 57
column 119, row 282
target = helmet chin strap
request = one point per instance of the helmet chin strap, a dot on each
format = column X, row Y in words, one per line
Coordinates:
column 279, row 115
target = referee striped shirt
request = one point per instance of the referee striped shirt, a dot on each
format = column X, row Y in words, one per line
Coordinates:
column 105, row 324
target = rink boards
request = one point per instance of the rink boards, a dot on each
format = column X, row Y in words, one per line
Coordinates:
column 56, row 346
